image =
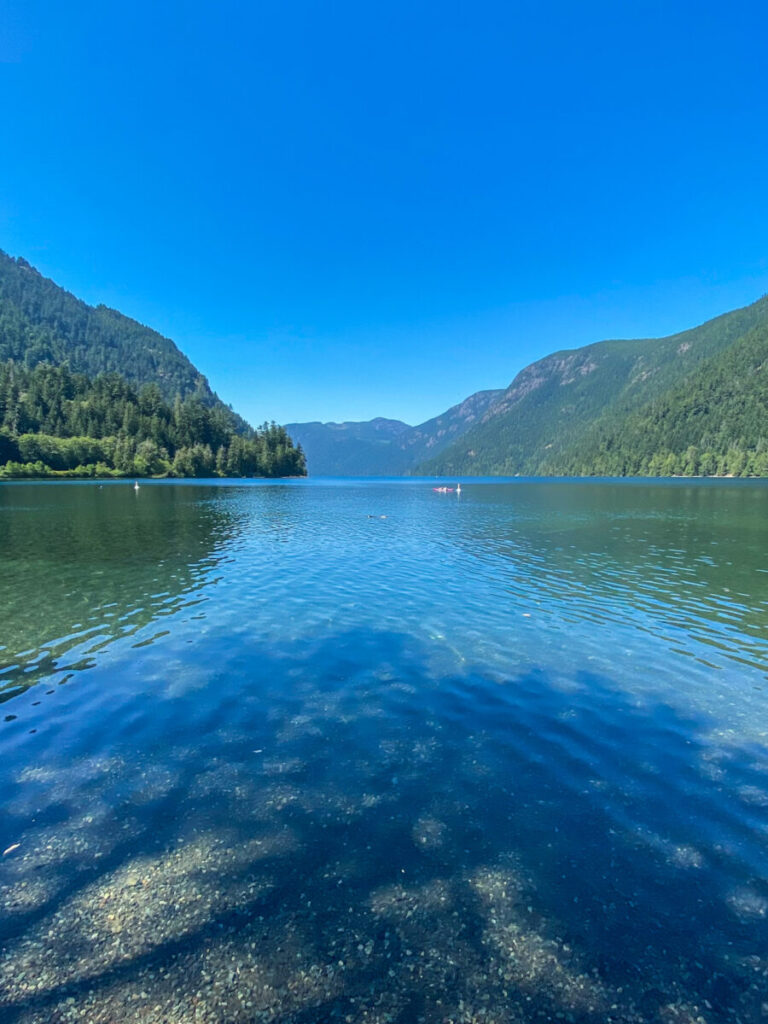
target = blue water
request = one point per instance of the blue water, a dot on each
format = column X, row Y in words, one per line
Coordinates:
column 356, row 750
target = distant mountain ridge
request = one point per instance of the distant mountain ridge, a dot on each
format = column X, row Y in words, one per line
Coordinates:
column 349, row 449
column 693, row 403
column 383, row 447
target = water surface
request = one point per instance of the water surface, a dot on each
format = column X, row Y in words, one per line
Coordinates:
column 355, row 750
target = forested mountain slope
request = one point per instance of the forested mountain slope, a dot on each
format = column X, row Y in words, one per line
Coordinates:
column 572, row 403
column 41, row 322
column 350, row 449
column 383, row 447
column 87, row 391
column 714, row 423
column 441, row 431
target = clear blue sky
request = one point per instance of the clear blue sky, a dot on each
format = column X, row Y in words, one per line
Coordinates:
column 343, row 210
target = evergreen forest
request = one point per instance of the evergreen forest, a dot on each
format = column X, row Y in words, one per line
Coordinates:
column 715, row 423
column 40, row 322
column 54, row 422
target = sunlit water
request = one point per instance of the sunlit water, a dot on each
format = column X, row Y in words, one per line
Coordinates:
column 359, row 751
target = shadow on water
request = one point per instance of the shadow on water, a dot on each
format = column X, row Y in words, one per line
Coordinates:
column 340, row 834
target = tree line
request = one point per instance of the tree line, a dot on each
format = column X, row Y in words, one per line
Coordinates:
column 56, row 422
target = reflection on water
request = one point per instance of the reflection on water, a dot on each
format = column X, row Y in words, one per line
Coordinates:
column 85, row 565
column 496, row 759
column 690, row 557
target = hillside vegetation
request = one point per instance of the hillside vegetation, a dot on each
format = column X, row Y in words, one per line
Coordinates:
column 55, row 422
column 41, row 322
column 351, row 449
column 87, row 391
column 714, row 423
column 630, row 407
column 383, row 447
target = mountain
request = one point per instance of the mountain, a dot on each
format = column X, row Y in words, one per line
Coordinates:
column 89, row 392
column 714, row 423
column 42, row 322
column 608, row 407
column 383, row 447
column 695, row 402
column 435, row 435
column 348, row 449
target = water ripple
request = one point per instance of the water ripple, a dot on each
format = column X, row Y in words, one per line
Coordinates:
column 268, row 756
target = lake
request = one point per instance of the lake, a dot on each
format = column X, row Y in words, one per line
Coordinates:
column 306, row 751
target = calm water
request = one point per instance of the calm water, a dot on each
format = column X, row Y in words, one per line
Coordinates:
column 315, row 751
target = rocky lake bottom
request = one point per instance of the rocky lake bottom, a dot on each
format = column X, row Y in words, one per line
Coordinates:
column 328, row 750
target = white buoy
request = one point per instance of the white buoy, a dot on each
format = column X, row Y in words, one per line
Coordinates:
column 458, row 488
column 136, row 485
